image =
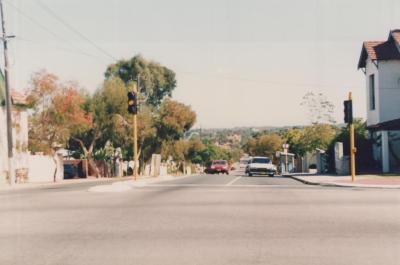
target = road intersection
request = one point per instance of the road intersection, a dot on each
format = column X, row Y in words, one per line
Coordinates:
column 206, row 219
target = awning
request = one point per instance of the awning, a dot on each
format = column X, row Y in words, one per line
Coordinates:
column 392, row 125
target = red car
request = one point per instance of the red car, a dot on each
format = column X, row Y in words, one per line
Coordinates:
column 217, row 166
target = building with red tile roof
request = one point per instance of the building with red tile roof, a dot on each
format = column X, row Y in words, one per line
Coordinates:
column 380, row 62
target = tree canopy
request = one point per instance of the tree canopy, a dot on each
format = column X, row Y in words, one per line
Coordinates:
column 156, row 81
column 306, row 139
column 57, row 112
column 320, row 109
column 264, row 145
column 174, row 119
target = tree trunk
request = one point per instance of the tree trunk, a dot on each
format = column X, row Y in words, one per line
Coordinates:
column 55, row 171
column 140, row 161
column 89, row 155
column 92, row 164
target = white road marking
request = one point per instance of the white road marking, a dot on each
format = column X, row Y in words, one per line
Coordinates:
column 231, row 186
column 219, row 188
column 233, row 181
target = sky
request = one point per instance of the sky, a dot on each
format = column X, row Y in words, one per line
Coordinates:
column 237, row 63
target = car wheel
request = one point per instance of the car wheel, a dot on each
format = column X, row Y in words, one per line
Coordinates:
column 250, row 174
column 271, row 175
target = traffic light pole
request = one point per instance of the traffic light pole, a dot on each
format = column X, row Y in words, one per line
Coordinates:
column 135, row 151
column 135, row 147
column 352, row 149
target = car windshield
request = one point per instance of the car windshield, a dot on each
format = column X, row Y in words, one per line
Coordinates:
column 222, row 162
column 261, row 160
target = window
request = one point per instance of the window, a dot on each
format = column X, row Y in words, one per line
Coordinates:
column 260, row 160
column 371, row 92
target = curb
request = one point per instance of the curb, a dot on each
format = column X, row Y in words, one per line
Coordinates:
column 366, row 186
column 302, row 180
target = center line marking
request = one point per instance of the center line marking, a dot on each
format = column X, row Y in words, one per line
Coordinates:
column 233, row 181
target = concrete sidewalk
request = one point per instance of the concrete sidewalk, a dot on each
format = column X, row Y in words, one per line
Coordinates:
column 362, row 181
column 21, row 186
column 99, row 184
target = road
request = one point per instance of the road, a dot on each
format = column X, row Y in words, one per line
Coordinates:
column 211, row 219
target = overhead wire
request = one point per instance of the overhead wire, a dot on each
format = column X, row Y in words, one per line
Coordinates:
column 19, row 38
column 108, row 55
column 77, row 32
column 259, row 81
column 55, row 35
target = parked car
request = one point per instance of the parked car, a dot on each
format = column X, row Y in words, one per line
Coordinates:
column 217, row 166
column 260, row 165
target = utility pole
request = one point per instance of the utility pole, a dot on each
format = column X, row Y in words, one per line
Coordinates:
column 11, row 173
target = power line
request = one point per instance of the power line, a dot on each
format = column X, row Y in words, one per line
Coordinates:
column 259, row 81
column 18, row 38
column 64, row 40
column 66, row 24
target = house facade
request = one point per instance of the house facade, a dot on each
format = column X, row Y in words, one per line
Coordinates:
column 380, row 62
column 19, row 131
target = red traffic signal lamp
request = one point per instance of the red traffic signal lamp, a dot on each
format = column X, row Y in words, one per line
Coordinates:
column 132, row 102
column 348, row 111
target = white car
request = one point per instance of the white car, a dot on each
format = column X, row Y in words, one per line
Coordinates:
column 244, row 162
column 260, row 165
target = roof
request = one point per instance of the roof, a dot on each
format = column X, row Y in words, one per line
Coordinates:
column 387, row 125
column 396, row 35
column 381, row 50
column 17, row 98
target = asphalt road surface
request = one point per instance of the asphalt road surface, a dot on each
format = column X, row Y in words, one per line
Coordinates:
column 210, row 219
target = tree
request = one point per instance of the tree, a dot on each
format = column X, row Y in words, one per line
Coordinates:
column 157, row 81
column 42, row 90
column 213, row 152
column 107, row 102
column 320, row 109
column 363, row 144
column 307, row 139
column 318, row 136
column 236, row 154
column 264, row 145
column 194, row 150
column 57, row 113
column 177, row 150
column 294, row 137
column 173, row 120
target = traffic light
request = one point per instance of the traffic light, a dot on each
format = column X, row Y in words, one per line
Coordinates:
column 348, row 111
column 132, row 103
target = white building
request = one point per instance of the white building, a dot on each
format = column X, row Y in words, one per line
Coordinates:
column 380, row 62
column 19, row 131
